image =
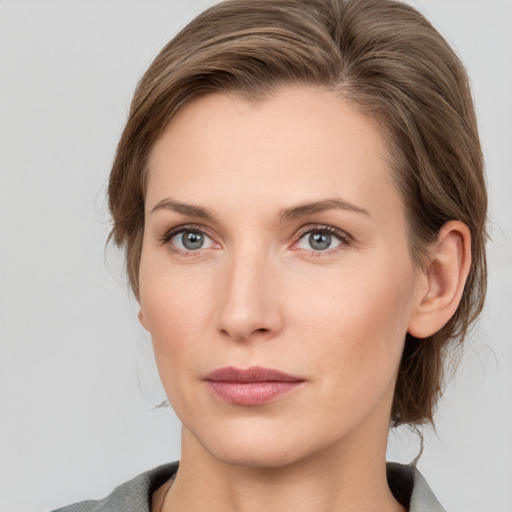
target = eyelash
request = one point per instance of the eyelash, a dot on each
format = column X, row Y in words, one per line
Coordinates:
column 187, row 228
column 343, row 237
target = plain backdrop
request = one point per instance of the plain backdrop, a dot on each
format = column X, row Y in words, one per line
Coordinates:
column 78, row 385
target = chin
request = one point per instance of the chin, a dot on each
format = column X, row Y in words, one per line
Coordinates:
column 256, row 456
column 260, row 445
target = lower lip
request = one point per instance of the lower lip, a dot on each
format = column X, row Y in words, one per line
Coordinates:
column 251, row 393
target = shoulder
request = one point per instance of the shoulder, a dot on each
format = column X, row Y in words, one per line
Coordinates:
column 411, row 489
column 132, row 496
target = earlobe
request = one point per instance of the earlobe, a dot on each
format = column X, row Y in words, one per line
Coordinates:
column 446, row 274
column 142, row 319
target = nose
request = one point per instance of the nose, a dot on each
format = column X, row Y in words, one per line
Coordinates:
column 249, row 304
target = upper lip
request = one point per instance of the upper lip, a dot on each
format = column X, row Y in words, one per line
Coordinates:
column 252, row 374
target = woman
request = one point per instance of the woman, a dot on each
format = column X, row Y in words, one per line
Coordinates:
column 300, row 195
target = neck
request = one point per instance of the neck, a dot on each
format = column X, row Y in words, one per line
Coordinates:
column 331, row 480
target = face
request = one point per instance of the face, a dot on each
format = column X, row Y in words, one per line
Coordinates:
column 275, row 275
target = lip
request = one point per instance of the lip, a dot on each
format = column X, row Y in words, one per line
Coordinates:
column 251, row 386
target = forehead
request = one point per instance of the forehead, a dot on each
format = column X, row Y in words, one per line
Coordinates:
column 300, row 141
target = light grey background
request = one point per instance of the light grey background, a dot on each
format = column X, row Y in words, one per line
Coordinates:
column 77, row 379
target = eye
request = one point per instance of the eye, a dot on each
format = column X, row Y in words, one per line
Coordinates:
column 321, row 239
column 187, row 239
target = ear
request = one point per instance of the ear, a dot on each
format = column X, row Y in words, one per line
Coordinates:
column 142, row 319
column 443, row 279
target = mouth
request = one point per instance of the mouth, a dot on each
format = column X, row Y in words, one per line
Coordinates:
column 252, row 386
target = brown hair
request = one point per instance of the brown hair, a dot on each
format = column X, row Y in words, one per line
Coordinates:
column 387, row 60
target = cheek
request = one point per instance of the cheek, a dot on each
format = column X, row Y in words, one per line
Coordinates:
column 175, row 308
column 170, row 296
column 173, row 323
column 175, row 315
column 356, row 323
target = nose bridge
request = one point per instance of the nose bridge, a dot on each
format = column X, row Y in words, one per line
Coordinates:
column 248, row 304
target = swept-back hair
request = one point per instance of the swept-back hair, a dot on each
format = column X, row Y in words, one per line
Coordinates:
column 390, row 63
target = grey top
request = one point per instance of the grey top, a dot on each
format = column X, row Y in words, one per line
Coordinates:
column 406, row 483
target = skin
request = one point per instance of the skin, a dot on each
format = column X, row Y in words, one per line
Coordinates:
column 257, row 293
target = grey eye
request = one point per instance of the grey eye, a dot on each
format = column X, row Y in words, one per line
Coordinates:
column 320, row 241
column 191, row 241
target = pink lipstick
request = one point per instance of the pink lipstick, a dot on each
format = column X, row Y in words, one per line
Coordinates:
column 252, row 386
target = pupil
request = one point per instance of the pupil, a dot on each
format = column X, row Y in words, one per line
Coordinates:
column 192, row 241
column 320, row 241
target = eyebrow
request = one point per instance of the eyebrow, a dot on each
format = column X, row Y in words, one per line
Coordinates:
column 287, row 214
column 183, row 208
column 308, row 208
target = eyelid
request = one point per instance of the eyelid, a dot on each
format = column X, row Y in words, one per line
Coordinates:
column 183, row 228
column 344, row 238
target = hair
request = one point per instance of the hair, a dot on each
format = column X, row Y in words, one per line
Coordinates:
column 390, row 63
